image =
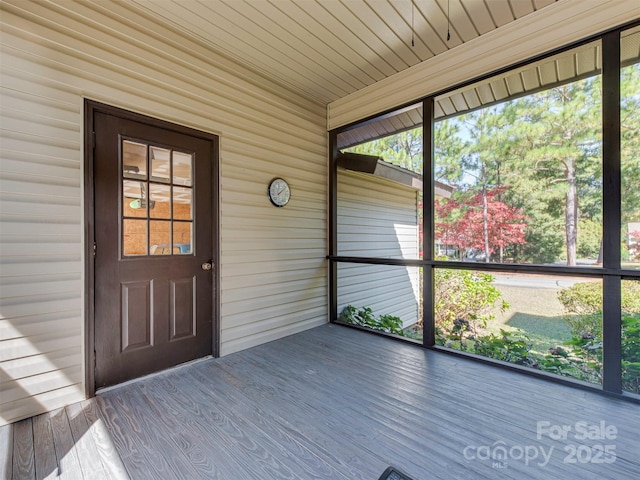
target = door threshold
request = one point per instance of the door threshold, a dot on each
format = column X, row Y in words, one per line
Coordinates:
column 151, row 375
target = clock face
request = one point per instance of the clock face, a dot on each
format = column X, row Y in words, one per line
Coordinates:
column 279, row 192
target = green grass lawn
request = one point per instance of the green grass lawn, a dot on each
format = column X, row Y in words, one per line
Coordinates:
column 535, row 313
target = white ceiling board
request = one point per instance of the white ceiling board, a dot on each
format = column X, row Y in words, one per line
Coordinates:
column 479, row 15
column 461, row 22
column 521, row 8
column 538, row 4
column 500, row 11
column 328, row 49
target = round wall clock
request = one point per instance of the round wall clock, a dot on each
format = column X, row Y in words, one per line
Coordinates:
column 279, row 192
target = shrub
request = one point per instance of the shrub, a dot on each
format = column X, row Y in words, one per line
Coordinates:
column 631, row 352
column 466, row 295
column 583, row 307
column 364, row 317
column 505, row 347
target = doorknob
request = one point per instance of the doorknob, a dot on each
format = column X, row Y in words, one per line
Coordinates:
column 206, row 266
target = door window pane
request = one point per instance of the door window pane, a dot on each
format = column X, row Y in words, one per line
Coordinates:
column 182, row 203
column 160, row 237
column 160, row 165
column 182, row 167
column 134, row 237
column 134, row 160
column 134, row 205
column 157, row 213
column 182, row 238
column 160, row 206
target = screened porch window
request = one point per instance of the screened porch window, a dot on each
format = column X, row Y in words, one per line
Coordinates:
column 521, row 221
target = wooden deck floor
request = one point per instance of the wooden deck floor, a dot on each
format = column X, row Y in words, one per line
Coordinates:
column 331, row 403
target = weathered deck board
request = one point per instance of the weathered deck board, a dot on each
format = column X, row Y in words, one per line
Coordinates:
column 107, row 453
column 65, row 448
column 84, row 444
column 329, row 403
column 45, row 455
column 6, row 451
column 68, row 443
column 23, row 457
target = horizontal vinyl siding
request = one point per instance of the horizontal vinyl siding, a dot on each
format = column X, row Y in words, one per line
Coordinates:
column 377, row 218
column 56, row 54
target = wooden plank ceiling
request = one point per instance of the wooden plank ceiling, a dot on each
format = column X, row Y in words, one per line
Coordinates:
column 328, row 49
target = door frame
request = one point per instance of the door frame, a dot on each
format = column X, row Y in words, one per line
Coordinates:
column 90, row 108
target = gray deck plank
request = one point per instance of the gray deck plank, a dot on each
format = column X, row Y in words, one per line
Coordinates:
column 243, row 446
column 111, row 463
column 205, row 426
column 335, row 403
column 520, row 409
column 267, row 432
column 84, row 444
column 354, row 413
column 354, row 403
column 45, row 454
column 145, row 455
column 23, row 456
column 319, row 415
column 278, row 396
column 494, row 403
column 68, row 462
column 191, row 435
column 163, row 437
column 6, row 451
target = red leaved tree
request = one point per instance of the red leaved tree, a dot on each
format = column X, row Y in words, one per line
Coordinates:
column 479, row 221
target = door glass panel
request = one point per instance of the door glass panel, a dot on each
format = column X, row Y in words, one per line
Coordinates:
column 182, row 203
column 182, row 238
column 134, row 160
column 160, row 237
column 160, row 207
column 160, row 164
column 157, row 213
column 134, row 237
column 182, row 167
column 133, row 204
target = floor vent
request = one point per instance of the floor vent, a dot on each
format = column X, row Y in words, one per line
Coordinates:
column 393, row 473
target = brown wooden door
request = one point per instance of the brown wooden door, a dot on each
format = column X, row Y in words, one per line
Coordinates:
column 154, row 244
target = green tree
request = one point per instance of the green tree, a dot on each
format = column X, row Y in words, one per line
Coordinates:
column 630, row 145
column 561, row 131
column 547, row 148
column 403, row 149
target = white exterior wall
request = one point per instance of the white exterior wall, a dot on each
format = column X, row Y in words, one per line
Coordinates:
column 378, row 218
column 273, row 268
